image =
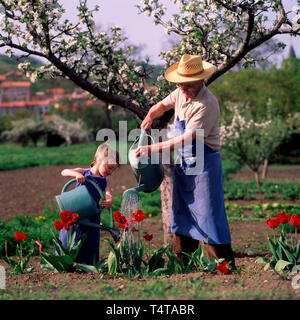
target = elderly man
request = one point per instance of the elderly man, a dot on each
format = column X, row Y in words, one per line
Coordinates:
column 198, row 210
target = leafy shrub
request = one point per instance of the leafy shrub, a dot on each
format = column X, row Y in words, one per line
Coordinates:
column 72, row 132
column 25, row 130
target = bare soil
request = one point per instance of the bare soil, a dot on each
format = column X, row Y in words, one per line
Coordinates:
column 27, row 190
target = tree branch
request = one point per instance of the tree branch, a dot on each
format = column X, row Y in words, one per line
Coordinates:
column 248, row 45
column 97, row 92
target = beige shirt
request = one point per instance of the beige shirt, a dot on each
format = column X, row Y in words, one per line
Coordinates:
column 201, row 112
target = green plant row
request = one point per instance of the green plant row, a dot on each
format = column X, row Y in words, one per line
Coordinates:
column 263, row 206
column 234, row 190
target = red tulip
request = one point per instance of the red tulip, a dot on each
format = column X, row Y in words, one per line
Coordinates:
column 295, row 220
column 138, row 216
column 283, row 217
column 123, row 222
column 117, row 215
column 222, row 268
column 74, row 216
column 148, row 237
column 65, row 216
column 273, row 223
column 20, row 236
column 58, row 225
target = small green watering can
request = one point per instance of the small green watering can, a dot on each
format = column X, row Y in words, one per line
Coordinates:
column 80, row 200
column 148, row 175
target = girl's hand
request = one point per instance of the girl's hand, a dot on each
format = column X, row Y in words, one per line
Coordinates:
column 106, row 203
column 80, row 178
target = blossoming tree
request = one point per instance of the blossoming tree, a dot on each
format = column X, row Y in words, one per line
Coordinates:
column 223, row 32
column 251, row 142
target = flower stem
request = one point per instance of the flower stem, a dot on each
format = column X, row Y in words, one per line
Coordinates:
column 139, row 234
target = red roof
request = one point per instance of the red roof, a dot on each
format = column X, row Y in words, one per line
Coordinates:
column 15, row 73
column 15, row 84
column 90, row 102
column 56, row 90
column 12, row 104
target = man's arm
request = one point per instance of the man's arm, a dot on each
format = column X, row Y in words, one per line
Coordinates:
column 156, row 111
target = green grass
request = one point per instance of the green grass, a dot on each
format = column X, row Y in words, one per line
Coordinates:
column 16, row 157
column 159, row 289
column 13, row 156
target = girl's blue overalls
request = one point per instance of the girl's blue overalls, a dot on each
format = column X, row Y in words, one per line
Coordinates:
column 90, row 249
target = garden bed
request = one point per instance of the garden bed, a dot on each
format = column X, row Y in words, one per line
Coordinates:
column 28, row 190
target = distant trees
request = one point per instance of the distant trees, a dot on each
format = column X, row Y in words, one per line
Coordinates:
column 255, row 87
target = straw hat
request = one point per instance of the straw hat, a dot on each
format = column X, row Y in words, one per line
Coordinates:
column 190, row 68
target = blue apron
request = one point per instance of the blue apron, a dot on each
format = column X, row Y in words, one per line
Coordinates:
column 198, row 209
column 90, row 249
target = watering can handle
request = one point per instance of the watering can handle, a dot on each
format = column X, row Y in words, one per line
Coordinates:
column 65, row 187
column 142, row 136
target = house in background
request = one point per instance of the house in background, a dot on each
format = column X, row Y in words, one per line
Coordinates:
column 15, row 94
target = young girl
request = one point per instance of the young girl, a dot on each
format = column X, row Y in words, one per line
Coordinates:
column 106, row 160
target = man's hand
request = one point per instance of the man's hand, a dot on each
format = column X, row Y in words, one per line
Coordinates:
column 146, row 124
column 143, row 151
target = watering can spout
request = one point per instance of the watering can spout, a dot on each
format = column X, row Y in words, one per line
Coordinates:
column 115, row 233
column 88, row 223
column 134, row 191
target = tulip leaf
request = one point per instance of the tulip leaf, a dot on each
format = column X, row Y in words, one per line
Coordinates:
column 158, row 272
column 212, row 266
column 50, row 262
column 68, row 261
column 86, row 268
column 205, row 261
column 273, row 248
column 262, row 260
column 281, row 264
column 267, row 266
column 287, row 252
column 112, row 263
column 297, row 250
column 156, row 261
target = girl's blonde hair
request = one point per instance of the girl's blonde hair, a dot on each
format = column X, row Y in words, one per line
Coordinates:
column 106, row 154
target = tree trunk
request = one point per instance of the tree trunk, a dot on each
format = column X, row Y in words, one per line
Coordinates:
column 108, row 117
column 256, row 174
column 166, row 195
column 265, row 169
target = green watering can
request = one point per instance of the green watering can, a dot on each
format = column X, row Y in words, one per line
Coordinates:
column 80, row 200
column 148, row 175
